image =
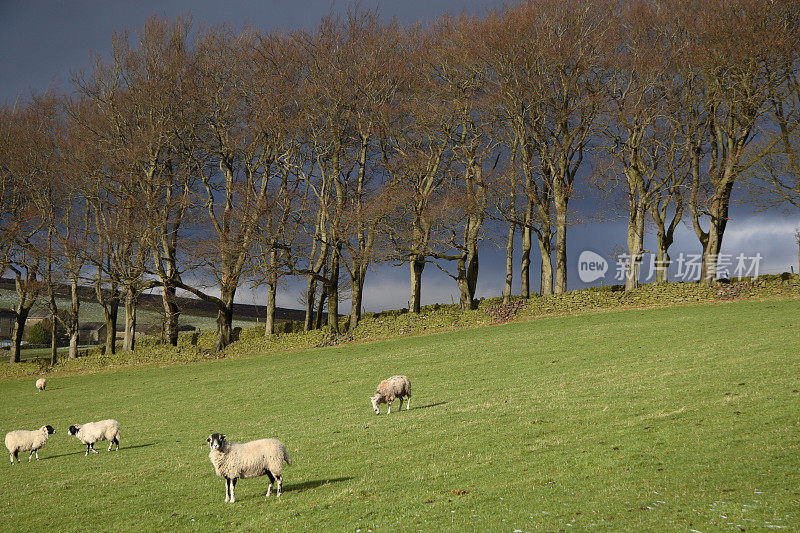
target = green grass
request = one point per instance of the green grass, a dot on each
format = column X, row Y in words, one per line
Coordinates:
column 647, row 419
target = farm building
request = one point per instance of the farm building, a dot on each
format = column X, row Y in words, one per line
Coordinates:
column 91, row 332
column 6, row 323
column 37, row 316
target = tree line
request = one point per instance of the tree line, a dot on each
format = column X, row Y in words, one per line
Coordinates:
column 205, row 159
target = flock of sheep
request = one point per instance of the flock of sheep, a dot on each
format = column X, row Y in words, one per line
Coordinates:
column 232, row 460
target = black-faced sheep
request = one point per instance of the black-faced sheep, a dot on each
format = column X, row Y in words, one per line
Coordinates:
column 23, row 441
column 41, row 383
column 96, row 431
column 233, row 460
column 388, row 390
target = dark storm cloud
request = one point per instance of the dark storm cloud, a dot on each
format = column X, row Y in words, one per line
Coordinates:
column 42, row 42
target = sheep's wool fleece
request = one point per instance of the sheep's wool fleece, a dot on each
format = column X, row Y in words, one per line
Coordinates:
column 249, row 459
column 96, row 431
column 22, row 440
column 41, row 383
column 394, row 387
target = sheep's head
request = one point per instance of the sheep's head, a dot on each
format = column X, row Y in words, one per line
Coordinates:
column 73, row 430
column 50, row 429
column 215, row 440
column 374, row 400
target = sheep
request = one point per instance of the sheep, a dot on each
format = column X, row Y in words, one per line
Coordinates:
column 96, row 431
column 388, row 390
column 23, row 441
column 41, row 383
column 233, row 460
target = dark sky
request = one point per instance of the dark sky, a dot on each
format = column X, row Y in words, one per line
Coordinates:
column 42, row 43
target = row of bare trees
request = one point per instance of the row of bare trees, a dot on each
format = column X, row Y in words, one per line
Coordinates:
column 201, row 160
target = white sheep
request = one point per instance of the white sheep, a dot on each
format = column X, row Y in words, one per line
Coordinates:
column 96, row 431
column 233, row 460
column 388, row 390
column 41, row 383
column 23, row 441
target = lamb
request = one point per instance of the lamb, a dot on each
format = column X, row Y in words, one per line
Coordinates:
column 233, row 460
column 41, row 383
column 96, row 431
column 388, row 390
column 23, row 441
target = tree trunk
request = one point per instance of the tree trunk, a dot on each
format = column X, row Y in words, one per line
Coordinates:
column 561, row 247
column 635, row 245
column 662, row 256
column 16, row 335
column 323, row 297
column 417, row 265
column 171, row 313
column 525, row 265
column 509, row 263
column 129, row 344
column 468, row 264
column 52, row 299
column 465, row 298
column 716, row 230
column 224, row 323
column 53, row 326
column 73, row 319
column 545, row 249
column 111, row 323
column 269, row 328
column 311, row 289
column 356, row 295
column 333, row 294
column 272, row 288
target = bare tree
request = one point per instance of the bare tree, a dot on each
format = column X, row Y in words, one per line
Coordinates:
column 729, row 53
column 27, row 157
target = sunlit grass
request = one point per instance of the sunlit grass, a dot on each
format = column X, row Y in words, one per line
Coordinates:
column 674, row 418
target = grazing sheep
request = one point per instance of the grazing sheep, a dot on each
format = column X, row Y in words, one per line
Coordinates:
column 23, row 441
column 388, row 390
column 41, row 383
column 233, row 460
column 96, row 431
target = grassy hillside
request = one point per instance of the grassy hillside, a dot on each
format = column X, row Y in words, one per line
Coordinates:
column 670, row 418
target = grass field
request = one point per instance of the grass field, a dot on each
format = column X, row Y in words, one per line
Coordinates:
column 679, row 418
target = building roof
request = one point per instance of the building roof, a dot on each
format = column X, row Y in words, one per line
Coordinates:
column 90, row 326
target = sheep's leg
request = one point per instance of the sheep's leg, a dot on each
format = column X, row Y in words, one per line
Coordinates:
column 227, row 490
column 278, row 486
column 30, row 456
column 11, row 456
column 401, row 404
column 37, row 455
column 408, row 402
column 271, row 482
column 91, row 446
column 88, row 447
column 233, row 486
column 116, row 441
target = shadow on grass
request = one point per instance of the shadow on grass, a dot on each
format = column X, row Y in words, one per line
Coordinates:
column 429, row 405
column 295, row 487
column 308, row 485
column 83, row 451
